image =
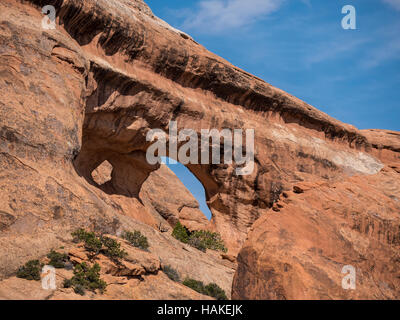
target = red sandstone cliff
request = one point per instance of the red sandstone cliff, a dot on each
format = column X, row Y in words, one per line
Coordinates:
column 323, row 194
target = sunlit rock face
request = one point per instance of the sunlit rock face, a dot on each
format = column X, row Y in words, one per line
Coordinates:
column 300, row 251
column 78, row 101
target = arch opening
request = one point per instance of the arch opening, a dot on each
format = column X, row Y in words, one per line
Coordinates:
column 190, row 181
column 103, row 173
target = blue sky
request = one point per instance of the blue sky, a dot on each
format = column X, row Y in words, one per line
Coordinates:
column 301, row 47
column 191, row 183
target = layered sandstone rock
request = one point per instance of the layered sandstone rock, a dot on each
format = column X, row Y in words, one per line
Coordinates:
column 137, row 276
column 77, row 103
column 299, row 250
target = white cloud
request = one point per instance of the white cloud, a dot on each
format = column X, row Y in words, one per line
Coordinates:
column 386, row 49
column 223, row 15
column 307, row 3
column 328, row 51
column 380, row 55
column 394, row 3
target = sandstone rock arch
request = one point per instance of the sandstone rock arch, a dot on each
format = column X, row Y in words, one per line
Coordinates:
column 131, row 72
column 115, row 128
column 121, row 107
column 112, row 72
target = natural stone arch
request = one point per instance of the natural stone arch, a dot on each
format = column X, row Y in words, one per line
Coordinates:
column 122, row 107
column 120, row 112
column 130, row 171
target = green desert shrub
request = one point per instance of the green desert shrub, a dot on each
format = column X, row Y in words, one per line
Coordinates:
column 207, row 239
column 57, row 260
column 200, row 240
column 181, row 233
column 112, row 248
column 91, row 241
column 171, row 273
column 197, row 243
column 30, row 271
column 136, row 239
column 80, row 235
column 86, row 278
column 96, row 244
column 212, row 289
column 194, row 285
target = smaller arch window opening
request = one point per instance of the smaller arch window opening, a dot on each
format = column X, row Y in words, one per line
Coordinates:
column 190, row 182
column 102, row 174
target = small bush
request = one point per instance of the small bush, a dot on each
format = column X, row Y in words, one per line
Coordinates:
column 80, row 235
column 207, row 239
column 171, row 273
column 67, row 283
column 197, row 243
column 79, row 289
column 57, row 260
column 212, row 289
column 92, row 242
column 113, row 248
column 136, row 239
column 30, row 271
column 95, row 244
column 200, row 240
column 195, row 285
column 180, row 233
column 86, row 278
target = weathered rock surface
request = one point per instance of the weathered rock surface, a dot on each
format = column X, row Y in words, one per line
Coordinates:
column 90, row 90
column 299, row 251
column 136, row 276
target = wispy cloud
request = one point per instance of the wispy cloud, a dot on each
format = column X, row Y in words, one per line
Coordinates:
column 333, row 50
column 389, row 52
column 382, row 54
column 394, row 3
column 386, row 48
column 307, row 3
column 224, row 15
